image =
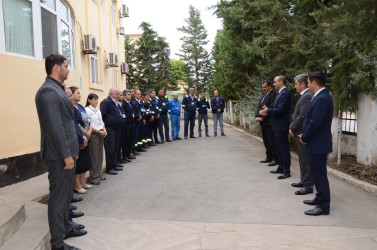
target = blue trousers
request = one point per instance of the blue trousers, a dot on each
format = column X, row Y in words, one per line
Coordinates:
column 189, row 118
column 319, row 176
column 175, row 125
column 282, row 148
column 218, row 117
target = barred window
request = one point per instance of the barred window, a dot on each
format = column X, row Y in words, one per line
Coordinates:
column 349, row 122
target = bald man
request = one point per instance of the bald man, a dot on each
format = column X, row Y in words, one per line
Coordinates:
column 112, row 116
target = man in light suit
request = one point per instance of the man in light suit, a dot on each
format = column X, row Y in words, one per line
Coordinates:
column 280, row 126
column 265, row 122
column 306, row 182
column 316, row 134
column 59, row 148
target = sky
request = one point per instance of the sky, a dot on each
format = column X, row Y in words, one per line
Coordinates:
column 166, row 16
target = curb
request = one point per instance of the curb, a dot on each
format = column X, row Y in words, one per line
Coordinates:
column 370, row 188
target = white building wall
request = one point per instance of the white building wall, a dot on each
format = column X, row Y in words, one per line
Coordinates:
column 367, row 131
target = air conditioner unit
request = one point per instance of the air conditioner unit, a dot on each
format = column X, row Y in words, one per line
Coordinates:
column 120, row 31
column 113, row 60
column 124, row 69
column 90, row 45
column 124, row 11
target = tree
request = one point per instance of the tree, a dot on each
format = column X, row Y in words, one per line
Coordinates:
column 193, row 52
column 179, row 72
column 130, row 50
column 163, row 66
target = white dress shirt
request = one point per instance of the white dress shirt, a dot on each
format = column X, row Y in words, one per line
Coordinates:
column 95, row 116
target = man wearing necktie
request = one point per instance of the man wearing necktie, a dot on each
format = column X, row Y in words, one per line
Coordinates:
column 316, row 135
column 265, row 122
column 280, row 126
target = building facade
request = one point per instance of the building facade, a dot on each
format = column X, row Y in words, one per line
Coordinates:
column 89, row 33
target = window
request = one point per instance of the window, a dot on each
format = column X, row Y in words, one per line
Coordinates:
column 37, row 28
column 18, row 27
column 349, row 123
column 113, row 12
column 115, row 78
column 94, row 68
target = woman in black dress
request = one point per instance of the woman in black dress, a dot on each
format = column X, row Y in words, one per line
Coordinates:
column 84, row 162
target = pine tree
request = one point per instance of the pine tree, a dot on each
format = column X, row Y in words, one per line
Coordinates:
column 130, row 50
column 163, row 66
column 193, row 52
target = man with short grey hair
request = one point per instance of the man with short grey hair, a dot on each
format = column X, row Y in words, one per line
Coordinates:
column 295, row 128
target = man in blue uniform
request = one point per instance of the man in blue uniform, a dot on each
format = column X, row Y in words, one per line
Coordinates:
column 190, row 105
column 155, row 110
column 175, row 116
column 203, row 114
column 218, row 105
column 163, row 104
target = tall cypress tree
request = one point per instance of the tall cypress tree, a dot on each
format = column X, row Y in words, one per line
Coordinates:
column 193, row 52
column 130, row 50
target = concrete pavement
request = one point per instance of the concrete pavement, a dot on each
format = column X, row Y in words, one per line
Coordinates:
column 211, row 193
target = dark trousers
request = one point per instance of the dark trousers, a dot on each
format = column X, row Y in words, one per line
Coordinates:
column 282, row 148
column 155, row 128
column 203, row 117
column 61, row 187
column 122, row 134
column 128, row 137
column 136, row 129
column 189, row 118
column 164, row 122
column 269, row 142
column 319, row 175
column 111, row 144
column 303, row 159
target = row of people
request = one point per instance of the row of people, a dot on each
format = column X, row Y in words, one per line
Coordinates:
column 310, row 127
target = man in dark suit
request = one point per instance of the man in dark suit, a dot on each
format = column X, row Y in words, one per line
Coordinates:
column 265, row 122
column 280, row 126
column 113, row 118
column 306, row 182
column 59, row 148
column 130, row 119
column 190, row 105
column 316, row 134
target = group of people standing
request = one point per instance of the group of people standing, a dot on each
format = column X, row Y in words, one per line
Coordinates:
column 124, row 124
column 310, row 127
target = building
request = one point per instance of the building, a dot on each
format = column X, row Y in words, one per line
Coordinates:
column 88, row 33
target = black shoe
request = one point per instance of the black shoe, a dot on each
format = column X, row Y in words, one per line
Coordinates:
column 145, row 146
column 168, row 140
column 103, row 179
column 76, row 214
column 131, row 157
column 215, row 134
column 75, row 233
column 118, row 169
column 185, row 137
column 162, row 141
column 193, row 137
column 126, row 159
column 222, row 134
column 207, row 135
column 65, row 247
column 313, row 202
column 265, row 161
column 297, row 185
column 277, row 171
column 111, row 172
column 284, row 176
column 273, row 163
column 72, row 207
column 178, row 139
column 95, row 182
column 121, row 161
column 117, row 165
column 77, row 226
column 174, row 139
column 142, row 150
column 304, row 191
column 158, row 142
column 318, row 211
column 76, row 199
column 200, row 135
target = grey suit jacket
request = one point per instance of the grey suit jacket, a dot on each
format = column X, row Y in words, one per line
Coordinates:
column 298, row 116
column 56, row 120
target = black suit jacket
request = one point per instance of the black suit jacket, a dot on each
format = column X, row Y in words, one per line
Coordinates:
column 130, row 113
column 281, row 111
column 269, row 102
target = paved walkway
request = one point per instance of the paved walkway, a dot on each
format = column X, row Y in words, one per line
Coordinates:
column 211, row 193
